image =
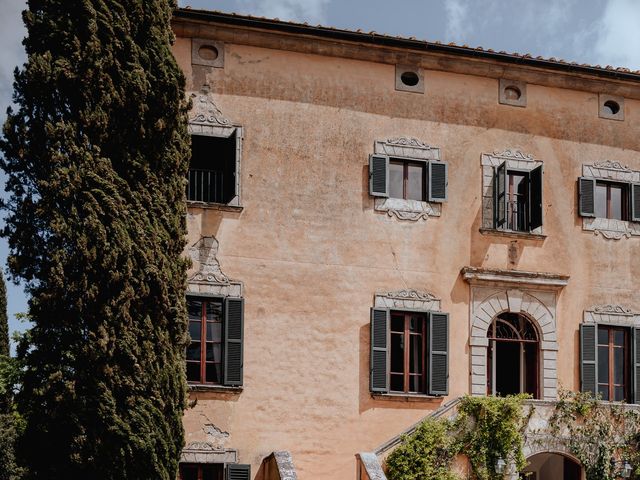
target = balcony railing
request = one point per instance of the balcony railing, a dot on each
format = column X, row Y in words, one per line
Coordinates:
column 205, row 186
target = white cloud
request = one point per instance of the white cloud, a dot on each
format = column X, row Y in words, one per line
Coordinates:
column 458, row 26
column 12, row 53
column 312, row 11
column 618, row 37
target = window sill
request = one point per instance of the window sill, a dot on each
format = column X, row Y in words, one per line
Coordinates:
column 511, row 233
column 611, row 229
column 412, row 210
column 214, row 206
column 201, row 387
column 405, row 397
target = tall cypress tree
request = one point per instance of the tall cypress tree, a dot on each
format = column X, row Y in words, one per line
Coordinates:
column 96, row 154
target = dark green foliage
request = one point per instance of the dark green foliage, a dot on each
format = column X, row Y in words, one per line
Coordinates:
column 96, row 156
column 4, row 320
column 425, row 455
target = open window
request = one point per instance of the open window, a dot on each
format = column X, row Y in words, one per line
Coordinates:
column 408, row 179
column 214, row 355
column 214, row 471
column 610, row 362
column 409, row 352
column 513, row 358
column 212, row 170
column 517, row 199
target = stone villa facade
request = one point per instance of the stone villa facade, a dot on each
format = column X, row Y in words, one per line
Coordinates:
column 380, row 225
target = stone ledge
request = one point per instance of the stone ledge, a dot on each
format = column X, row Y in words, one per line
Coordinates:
column 214, row 206
column 200, row 387
column 490, row 276
column 405, row 397
column 513, row 234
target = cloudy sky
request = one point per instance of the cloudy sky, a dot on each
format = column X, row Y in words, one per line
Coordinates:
column 599, row 32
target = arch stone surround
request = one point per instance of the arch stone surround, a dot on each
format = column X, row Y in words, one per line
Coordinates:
column 531, row 294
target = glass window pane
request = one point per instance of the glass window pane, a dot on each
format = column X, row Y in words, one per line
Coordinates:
column 214, row 372
column 396, row 179
column 415, row 354
column 618, row 393
column 618, row 366
column 601, row 200
column 193, row 351
column 415, row 186
column 214, row 311
column 603, row 335
column 603, row 365
column 397, row 352
column 214, row 332
column 415, row 324
column 397, row 383
column 195, row 330
column 397, row 323
column 603, row 390
column 193, row 371
column 616, row 202
column 214, row 352
column 618, row 338
column 415, row 383
column 195, row 309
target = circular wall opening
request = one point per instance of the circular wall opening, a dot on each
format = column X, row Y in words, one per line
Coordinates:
column 410, row 79
column 512, row 93
column 611, row 107
column 208, row 52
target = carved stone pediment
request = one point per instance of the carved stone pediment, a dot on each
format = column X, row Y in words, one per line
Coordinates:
column 204, row 111
column 611, row 309
column 199, row 447
column 611, row 165
column 204, row 253
column 407, row 299
column 411, row 294
column 514, row 155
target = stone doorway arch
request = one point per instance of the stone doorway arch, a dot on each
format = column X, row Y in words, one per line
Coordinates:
column 552, row 465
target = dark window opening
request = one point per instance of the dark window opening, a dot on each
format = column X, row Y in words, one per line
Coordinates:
column 410, row 79
column 408, row 367
column 512, row 365
column 195, row 471
column 613, row 363
column 517, row 201
column 407, row 180
column 204, row 353
column 611, row 200
column 611, row 107
column 212, row 170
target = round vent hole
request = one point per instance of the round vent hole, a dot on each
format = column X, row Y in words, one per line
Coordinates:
column 208, row 52
column 410, row 79
column 611, row 107
column 512, row 93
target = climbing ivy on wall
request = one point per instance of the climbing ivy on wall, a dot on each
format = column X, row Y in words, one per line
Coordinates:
column 485, row 429
column 601, row 435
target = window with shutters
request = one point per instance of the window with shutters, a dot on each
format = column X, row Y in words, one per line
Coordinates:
column 610, row 360
column 214, row 355
column 609, row 200
column 407, row 179
column 409, row 352
column 512, row 194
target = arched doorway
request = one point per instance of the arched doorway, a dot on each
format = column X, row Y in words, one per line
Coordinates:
column 551, row 466
column 513, row 356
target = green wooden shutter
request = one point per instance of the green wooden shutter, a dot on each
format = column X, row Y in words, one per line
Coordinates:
column 438, row 335
column 586, row 197
column 589, row 358
column 237, row 471
column 635, row 355
column 379, row 175
column 438, row 180
column 379, row 350
column 635, row 202
column 535, row 198
column 233, row 333
column 500, row 196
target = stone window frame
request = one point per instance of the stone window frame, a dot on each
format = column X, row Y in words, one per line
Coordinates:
column 603, row 111
column 515, row 160
column 196, row 59
column 533, row 294
column 206, row 119
column 407, row 148
column 609, row 228
column 401, row 86
column 504, row 84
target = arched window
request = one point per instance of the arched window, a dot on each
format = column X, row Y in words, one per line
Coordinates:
column 513, row 360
